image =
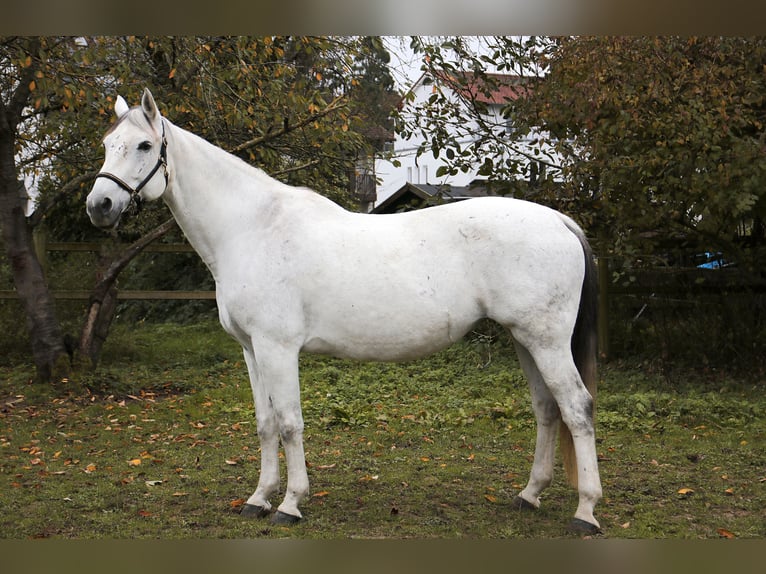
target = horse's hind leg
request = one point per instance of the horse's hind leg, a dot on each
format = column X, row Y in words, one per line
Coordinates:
column 547, row 414
column 557, row 368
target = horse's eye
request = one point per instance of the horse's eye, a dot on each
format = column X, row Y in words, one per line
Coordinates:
column 145, row 146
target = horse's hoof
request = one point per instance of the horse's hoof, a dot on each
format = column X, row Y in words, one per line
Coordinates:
column 254, row 511
column 579, row 526
column 284, row 519
column 520, row 503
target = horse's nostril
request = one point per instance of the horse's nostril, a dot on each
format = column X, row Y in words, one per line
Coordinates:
column 106, row 204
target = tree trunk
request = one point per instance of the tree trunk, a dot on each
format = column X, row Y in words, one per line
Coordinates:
column 103, row 298
column 48, row 349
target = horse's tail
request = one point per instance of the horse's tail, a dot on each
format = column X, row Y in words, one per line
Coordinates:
column 584, row 347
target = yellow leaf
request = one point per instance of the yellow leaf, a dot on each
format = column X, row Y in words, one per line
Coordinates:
column 90, row 468
column 726, row 533
column 172, row 73
column 134, row 462
column 321, row 494
column 685, row 491
column 490, row 498
column 729, row 491
column 32, row 86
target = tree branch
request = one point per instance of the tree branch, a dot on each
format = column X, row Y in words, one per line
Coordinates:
column 295, row 168
column 333, row 106
column 48, row 202
column 20, row 95
column 126, row 256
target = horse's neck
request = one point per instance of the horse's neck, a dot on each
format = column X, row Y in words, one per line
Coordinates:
column 210, row 191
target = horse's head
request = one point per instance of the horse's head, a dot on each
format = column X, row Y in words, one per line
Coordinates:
column 135, row 153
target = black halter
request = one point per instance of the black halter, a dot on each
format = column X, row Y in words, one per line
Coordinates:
column 162, row 161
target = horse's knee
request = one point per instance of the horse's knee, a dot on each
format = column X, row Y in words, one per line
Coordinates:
column 290, row 429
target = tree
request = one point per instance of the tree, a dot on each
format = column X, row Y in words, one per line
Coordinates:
column 654, row 138
column 278, row 102
column 667, row 137
column 28, row 99
column 372, row 92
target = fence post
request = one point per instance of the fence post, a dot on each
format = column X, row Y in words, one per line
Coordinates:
column 603, row 307
column 40, row 245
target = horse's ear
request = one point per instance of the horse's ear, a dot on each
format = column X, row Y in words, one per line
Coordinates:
column 149, row 106
column 120, row 106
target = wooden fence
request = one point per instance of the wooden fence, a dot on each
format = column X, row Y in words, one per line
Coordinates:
column 128, row 294
column 653, row 285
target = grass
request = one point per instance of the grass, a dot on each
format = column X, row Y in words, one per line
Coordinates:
column 161, row 442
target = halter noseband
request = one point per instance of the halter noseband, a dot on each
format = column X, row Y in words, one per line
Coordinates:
column 162, row 161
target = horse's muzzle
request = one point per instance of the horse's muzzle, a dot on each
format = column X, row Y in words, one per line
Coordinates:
column 105, row 208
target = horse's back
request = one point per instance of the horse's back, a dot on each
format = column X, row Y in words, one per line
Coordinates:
column 415, row 282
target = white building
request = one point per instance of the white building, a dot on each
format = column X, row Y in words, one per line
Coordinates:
column 418, row 175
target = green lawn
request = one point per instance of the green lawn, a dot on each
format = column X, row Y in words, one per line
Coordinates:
column 161, row 443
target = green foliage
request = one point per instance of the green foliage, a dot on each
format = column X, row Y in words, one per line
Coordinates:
column 293, row 106
column 661, row 135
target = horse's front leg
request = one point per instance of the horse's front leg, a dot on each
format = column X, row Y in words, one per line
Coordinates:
column 278, row 411
column 258, row 504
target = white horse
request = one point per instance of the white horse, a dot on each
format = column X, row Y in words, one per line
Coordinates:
column 295, row 272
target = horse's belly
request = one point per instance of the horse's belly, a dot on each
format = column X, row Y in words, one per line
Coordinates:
column 390, row 337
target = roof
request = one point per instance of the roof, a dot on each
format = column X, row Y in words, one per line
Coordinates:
column 419, row 193
column 502, row 88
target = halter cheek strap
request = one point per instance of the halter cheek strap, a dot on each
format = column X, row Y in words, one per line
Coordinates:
column 162, row 161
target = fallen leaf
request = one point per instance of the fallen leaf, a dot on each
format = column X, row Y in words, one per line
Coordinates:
column 236, row 503
column 180, row 494
column 729, row 491
column 726, row 533
column 321, row 493
column 232, row 462
column 325, row 466
column 685, row 491
column 144, row 513
column 153, row 482
column 490, row 498
column 134, row 462
column 90, row 468
column 625, row 525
